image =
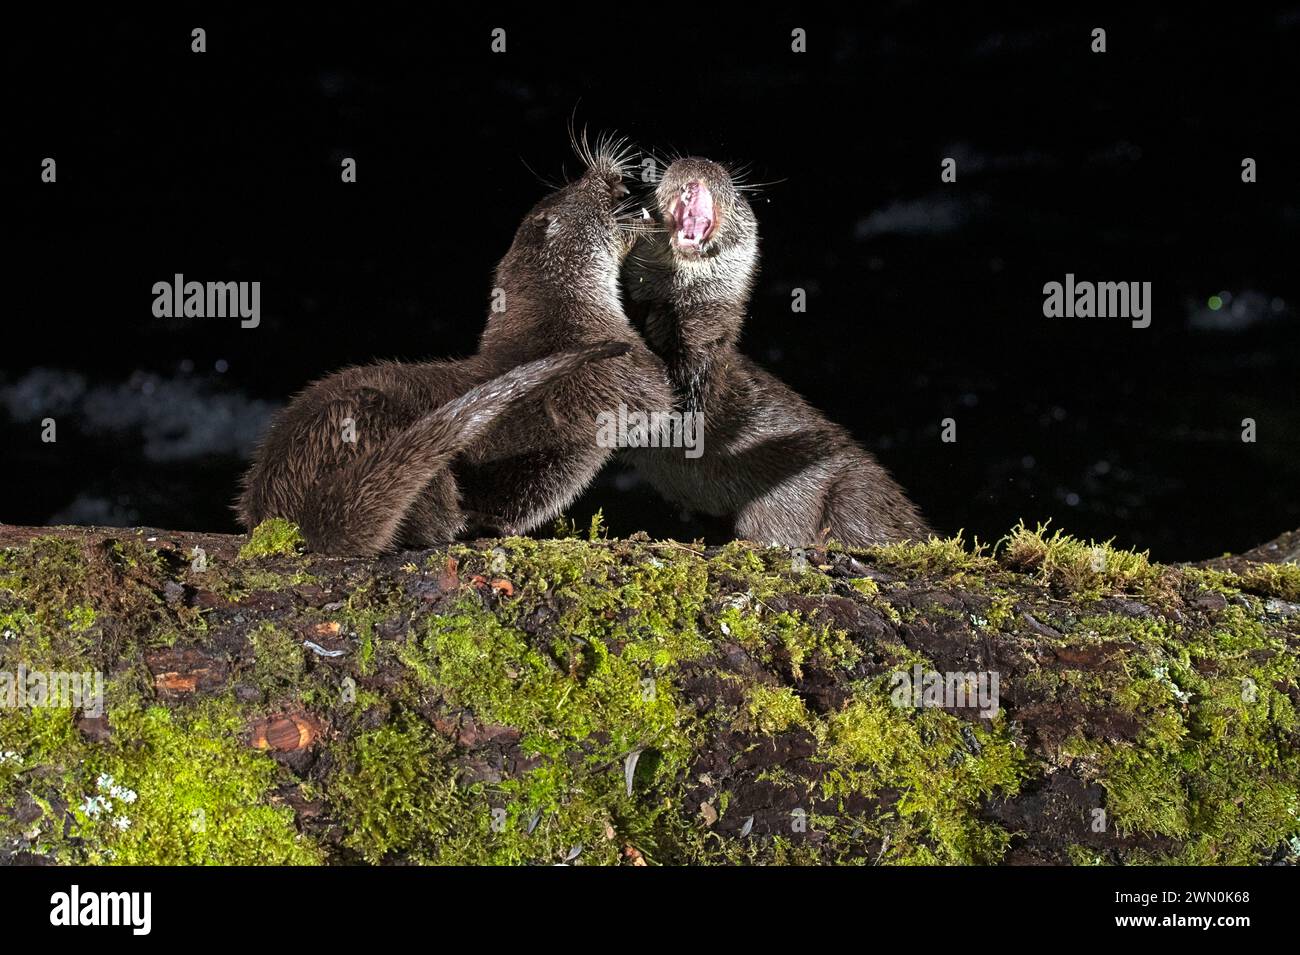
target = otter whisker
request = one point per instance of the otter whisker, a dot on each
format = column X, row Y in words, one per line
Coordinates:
column 739, row 178
column 538, row 176
column 614, row 154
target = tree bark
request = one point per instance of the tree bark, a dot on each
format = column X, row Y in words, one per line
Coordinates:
column 598, row 701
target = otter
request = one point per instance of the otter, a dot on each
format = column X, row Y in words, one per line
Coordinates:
column 392, row 454
column 774, row 465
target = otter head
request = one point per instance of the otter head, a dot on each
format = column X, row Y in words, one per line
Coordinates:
column 581, row 233
column 705, row 215
column 704, row 250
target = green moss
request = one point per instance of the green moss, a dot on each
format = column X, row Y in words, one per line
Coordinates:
column 765, row 573
column 1001, row 612
column 567, row 529
column 1085, row 569
column 69, row 606
column 80, row 618
column 1216, row 764
column 877, row 597
column 33, row 737
column 134, row 553
column 43, row 603
column 1142, row 795
column 49, row 573
column 941, row 768
column 170, row 788
column 598, row 660
column 271, row 538
column 495, row 672
column 644, row 599
column 277, row 659
column 252, row 579
column 580, row 710
column 865, row 586
column 772, row 709
column 559, row 566
column 55, row 596
column 363, row 611
column 1082, row 855
column 396, row 790
column 1269, row 580
column 585, row 693
column 1273, row 580
column 787, row 638
column 935, row 556
column 366, row 651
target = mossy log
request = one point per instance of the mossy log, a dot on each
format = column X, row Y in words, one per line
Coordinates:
column 596, row 701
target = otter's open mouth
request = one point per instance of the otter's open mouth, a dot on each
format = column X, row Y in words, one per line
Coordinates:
column 694, row 219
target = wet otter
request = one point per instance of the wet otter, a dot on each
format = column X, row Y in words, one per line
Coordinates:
column 415, row 454
column 771, row 462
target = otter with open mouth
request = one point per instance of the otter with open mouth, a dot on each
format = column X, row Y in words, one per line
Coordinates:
column 392, row 454
column 772, row 463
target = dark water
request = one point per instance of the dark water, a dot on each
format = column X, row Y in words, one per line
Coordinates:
column 925, row 298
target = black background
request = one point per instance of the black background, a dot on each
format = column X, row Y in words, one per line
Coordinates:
column 924, row 298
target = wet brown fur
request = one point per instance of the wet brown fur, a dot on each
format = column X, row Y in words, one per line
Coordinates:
column 497, row 443
column 771, row 462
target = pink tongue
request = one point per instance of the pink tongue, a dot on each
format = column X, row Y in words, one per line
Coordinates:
column 695, row 214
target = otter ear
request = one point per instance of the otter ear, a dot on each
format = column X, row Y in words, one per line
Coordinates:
column 544, row 225
column 539, row 225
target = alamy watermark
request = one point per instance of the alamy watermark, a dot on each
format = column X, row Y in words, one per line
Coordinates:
column 54, row 689
column 130, row 909
column 651, row 429
column 181, row 299
column 1071, row 299
column 949, row 690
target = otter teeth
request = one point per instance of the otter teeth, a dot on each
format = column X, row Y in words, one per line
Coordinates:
column 693, row 214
